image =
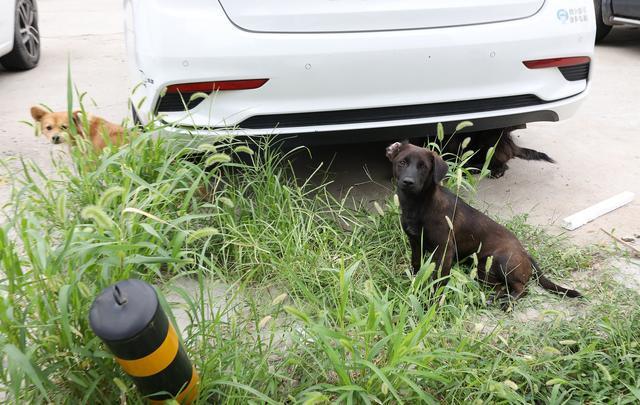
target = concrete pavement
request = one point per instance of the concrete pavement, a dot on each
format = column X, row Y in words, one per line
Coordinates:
column 598, row 151
column 90, row 36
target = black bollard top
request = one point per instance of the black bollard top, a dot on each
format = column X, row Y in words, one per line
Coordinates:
column 122, row 310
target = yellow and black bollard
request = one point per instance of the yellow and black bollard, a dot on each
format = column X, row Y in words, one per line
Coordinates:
column 129, row 319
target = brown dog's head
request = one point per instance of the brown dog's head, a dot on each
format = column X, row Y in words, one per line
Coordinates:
column 54, row 125
column 415, row 168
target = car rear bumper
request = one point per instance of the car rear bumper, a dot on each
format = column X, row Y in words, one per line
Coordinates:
column 315, row 79
column 551, row 112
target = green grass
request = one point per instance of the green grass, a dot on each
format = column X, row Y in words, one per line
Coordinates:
column 318, row 303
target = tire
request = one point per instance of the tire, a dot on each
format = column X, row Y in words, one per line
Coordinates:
column 602, row 29
column 26, row 39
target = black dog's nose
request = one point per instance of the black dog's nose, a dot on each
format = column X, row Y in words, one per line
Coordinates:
column 408, row 181
column 55, row 139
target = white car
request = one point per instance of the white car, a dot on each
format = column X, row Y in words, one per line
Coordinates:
column 19, row 35
column 315, row 66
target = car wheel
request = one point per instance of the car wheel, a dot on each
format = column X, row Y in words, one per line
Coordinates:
column 602, row 29
column 26, row 45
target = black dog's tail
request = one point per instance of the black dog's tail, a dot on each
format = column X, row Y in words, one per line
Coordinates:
column 531, row 154
column 550, row 285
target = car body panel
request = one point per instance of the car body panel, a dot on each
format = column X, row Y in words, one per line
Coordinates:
column 620, row 12
column 371, row 15
column 7, row 17
column 195, row 42
column 626, row 8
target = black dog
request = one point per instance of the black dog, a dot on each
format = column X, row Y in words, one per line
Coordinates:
column 505, row 149
column 438, row 221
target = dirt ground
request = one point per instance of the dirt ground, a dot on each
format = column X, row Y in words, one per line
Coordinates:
column 598, row 151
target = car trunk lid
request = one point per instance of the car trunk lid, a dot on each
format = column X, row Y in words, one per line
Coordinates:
column 308, row 16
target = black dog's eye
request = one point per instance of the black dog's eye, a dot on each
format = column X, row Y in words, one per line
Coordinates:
column 420, row 165
column 49, row 127
column 402, row 163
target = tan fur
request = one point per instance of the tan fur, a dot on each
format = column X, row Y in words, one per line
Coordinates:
column 55, row 127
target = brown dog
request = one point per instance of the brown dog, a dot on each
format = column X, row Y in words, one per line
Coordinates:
column 429, row 211
column 505, row 149
column 55, row 126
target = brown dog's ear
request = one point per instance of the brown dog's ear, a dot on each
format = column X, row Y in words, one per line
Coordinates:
column 38, row 112
column 392, row 150
column 77, row 121
column 440, row 168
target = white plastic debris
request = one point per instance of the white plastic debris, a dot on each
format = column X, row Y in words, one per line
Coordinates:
column 589, row 214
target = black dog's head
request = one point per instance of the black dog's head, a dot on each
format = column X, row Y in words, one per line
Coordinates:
column 415, row 168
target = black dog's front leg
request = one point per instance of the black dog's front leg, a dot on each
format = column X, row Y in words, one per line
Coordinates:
column 414, row 234
column 416, row 254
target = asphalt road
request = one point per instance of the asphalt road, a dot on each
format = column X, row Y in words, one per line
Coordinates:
column 598, row 151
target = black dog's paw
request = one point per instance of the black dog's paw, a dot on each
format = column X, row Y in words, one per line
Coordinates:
column 498, row 172
column 506, row 305
column 501, row 300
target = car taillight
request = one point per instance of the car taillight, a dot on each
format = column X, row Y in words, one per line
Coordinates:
column 557, row 62
column 223, row 85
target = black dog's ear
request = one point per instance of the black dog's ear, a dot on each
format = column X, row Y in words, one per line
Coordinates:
column 392, row 150
column 440, row 168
